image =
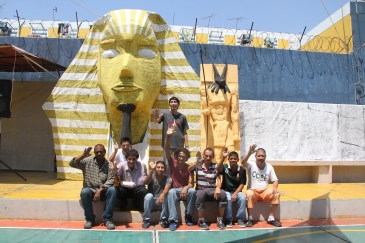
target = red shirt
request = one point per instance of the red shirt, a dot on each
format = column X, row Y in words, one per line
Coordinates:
column 180, row 177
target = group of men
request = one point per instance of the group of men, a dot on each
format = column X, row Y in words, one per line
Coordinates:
column 167, row 183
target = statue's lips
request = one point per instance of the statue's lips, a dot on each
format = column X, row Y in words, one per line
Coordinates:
column 126, row 88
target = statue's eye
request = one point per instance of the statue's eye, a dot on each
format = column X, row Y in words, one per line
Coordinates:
column 147, row 53
column 110, row 53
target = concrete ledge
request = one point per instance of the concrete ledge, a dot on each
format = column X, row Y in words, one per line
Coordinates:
column 318, row 171
column 71, row 210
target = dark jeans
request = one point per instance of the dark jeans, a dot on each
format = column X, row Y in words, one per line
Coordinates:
column 109, row 195
column 138, row 193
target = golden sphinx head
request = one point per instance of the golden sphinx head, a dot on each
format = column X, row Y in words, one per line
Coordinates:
column 129, row 67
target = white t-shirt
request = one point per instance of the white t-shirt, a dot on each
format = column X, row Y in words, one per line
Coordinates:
column 259, row 179
column 120, row 157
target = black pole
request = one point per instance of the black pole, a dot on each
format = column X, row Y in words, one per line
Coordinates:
column 301, row 37
column 196, row 22
column 206, row 95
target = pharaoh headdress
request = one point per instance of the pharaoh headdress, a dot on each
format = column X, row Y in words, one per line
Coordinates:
column 76, row 107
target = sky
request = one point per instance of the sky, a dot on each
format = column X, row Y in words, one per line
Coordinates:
column 287, row 16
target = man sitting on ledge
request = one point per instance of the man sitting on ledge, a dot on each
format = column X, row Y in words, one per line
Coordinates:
column 259, row 173
column 97, row 185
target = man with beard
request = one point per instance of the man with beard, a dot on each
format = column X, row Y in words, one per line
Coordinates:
column 259, row 173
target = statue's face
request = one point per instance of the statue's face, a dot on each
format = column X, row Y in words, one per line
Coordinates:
column 130, row 70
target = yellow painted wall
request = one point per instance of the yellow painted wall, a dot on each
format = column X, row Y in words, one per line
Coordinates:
column 52, row 33
column 176, row 34
column 83, row 32
column 201, row 38
column 331, row 40
column 230, row 40
column 257, row 42
column 283, row 44
column 25, row 31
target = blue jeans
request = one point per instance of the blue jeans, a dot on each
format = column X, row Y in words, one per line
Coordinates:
column 241, row 207
column 110, row 195
column 150, row 204
column 174, row 195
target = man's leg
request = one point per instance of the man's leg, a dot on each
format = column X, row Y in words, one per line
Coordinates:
column 86, row 199
column 228, row 212
column 111, row 199
column 268, row 196
column 149, row 202
column 173, row 196
column 122, row 196
column 251, row 199
column 200, row 205
column 241, row 207
column 138, row 197
column 190, row 200
column 222, row 204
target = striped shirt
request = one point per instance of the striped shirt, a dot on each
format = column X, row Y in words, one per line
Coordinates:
column 206, row 178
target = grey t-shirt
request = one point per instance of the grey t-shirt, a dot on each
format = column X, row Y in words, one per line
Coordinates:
column 177, row 139
column 156, row 187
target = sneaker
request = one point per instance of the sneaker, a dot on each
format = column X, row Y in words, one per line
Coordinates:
column 173, row 226
column 241, row 224
column 229, row 224
column 220, row 224
column 188, row 220
column 203, row 225
column 146, row 224
column 275, row 223
column 89, row 224
column 164, row 223
column 249, row 223
column 109, row 225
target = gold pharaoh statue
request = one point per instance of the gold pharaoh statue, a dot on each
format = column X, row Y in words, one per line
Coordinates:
column 130, row 62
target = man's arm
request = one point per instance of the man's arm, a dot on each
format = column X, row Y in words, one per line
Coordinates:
column 198, row 161
column 190, row 184
column 77, row 161
column 161, row 198
column 217, row 192
column 275, row 186
column 235, row 115
column 239, row 189
column 112, row 156
column 169, row 132
column 157, row 117
column 152, row 164
column 224, row 156
column 186, row 140
column 250, row 151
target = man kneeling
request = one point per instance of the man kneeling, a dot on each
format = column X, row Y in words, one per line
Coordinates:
column 259, row 173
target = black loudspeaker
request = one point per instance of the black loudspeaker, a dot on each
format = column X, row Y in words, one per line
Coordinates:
column 6, row 88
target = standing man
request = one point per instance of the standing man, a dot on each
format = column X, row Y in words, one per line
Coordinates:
column 182, row 182
column 260, row 172
column 208, row 187
column 97, row 184
column 234, row 180
column 132, row 176
column 180, row 137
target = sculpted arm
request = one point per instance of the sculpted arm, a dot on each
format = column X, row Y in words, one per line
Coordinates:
column 235, row 114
